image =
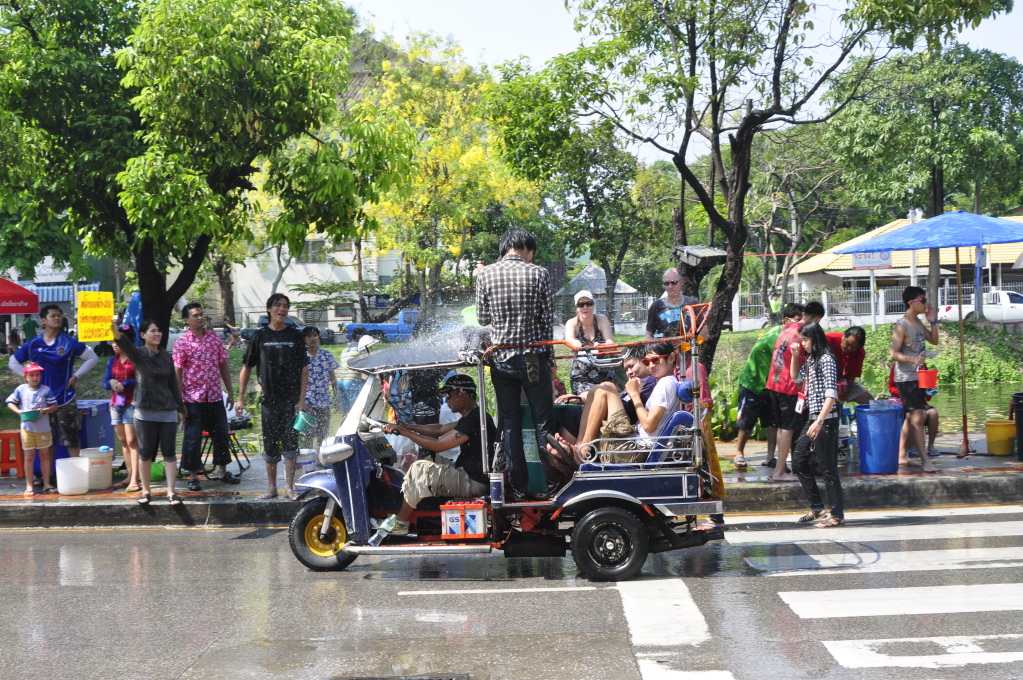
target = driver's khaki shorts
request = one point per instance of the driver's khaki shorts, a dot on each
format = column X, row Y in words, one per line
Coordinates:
column 426, row 479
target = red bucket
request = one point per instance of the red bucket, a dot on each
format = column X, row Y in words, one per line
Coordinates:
column 927, row 379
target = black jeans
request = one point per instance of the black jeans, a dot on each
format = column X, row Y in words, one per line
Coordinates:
column 208, row 417
column 825, row 448
column 153, row 435
column 279, row 437
column 531, row 374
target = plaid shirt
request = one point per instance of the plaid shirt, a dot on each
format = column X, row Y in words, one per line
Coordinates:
column 514, row 298
column 820, row 381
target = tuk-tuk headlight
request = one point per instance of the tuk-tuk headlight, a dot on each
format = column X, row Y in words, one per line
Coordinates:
column 334, row 453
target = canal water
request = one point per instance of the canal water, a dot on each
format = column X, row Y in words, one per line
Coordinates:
column 984, row 401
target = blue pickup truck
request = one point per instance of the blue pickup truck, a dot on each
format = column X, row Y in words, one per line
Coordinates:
column 399, row 330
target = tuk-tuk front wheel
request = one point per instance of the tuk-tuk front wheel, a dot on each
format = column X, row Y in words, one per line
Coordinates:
column 319, row 553
column 610, row 544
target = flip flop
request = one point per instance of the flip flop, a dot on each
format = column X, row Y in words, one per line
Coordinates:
column 193, row 485
column 175, row 500
column 740, row 461
column 228, row 478
column 143, row 499
column 563, row 456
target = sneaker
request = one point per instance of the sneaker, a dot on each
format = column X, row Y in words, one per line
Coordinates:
column 400, row 529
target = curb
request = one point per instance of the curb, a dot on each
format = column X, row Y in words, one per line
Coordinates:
column 211, row 513
column 889, row 491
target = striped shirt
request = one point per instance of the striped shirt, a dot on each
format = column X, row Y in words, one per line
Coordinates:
column 514, row 298
column 349, row 352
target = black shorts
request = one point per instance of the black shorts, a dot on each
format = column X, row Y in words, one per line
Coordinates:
column 784, row 407
column 753, row 407
column 913, row 398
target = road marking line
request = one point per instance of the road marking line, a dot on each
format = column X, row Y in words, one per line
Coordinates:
column 662, row 613
column 865, row 562
column 894, row 513
column 485, row 591
column 874, row 534
column 959, row 651
column 828, row 604
column 651, row 670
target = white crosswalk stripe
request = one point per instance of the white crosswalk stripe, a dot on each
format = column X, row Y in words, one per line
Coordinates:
column 828, row 604
column 873, row 534
column 856, row 561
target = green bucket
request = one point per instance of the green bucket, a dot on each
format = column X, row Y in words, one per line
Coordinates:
column 30, row 416
column 305, row 422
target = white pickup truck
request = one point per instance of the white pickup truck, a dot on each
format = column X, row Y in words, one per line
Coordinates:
column 999, row 305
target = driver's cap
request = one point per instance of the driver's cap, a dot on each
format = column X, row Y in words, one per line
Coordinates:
column 459, row 382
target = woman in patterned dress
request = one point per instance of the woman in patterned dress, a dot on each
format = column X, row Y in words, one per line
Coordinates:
column 587, row 329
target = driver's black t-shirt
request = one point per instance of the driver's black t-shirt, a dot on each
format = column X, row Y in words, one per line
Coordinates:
column 279, row 357
column 470, row 457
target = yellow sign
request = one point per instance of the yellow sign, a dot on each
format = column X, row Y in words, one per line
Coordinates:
column 95, row 313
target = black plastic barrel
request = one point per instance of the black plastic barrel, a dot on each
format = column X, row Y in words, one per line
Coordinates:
column 1017, row 410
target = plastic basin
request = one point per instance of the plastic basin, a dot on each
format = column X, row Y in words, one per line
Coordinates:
column 1001, row 435
column 101, row 468
column 30, row 416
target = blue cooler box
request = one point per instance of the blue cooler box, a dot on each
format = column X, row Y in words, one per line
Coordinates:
column 96, row 430
column 877, row 433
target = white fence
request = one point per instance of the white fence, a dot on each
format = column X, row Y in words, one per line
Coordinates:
column 844, row 308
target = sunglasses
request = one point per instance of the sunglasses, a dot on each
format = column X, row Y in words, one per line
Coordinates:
column 918, row 300
column 584, row 304
column 671, row 283
column 654, row 360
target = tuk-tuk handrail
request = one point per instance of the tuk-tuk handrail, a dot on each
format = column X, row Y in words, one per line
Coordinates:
column 697, row 316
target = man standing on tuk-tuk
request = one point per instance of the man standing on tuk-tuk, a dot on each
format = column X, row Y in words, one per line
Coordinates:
column 513, row 297
column 464, row 479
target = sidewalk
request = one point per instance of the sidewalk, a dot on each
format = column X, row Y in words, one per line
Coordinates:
column 977, row 479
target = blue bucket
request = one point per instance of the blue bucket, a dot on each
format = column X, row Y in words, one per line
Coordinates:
column 878, row 431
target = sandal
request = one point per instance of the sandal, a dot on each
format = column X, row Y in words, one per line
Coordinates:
column 740, row 461
column 134, row 488
column 564, row 456
column 811, row 516
column 143, row 499
column 830, row 523
column 228, row 478
column 193, row 485
column 175, row 500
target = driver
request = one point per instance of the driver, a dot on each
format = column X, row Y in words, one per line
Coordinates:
column 464, row 479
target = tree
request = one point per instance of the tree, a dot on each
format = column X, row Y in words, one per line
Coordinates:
column 146, row 121
column 940, row 122
column 457, row 174
column 668, row 73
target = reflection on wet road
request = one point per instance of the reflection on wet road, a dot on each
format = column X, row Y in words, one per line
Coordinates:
column 921, row 591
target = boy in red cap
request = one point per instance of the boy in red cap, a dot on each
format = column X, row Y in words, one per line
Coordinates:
column 32, row 401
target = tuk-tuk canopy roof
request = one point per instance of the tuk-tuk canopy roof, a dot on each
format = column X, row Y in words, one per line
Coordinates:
column 437, row 351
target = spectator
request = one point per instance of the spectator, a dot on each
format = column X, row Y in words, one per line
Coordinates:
column 931, row 421
column 782, row 390
column 322, row 382
column 464, row 479
column 158, row 406
column 907, row 351
column 200, row 365
column 103, row 349
column 513, row 296
column 819, row 437
column 349, row 379
column 56, row 352
column 29, row 327
column 120, row 380
column 587, row 329
column 232, row 334
column 754, row 401
column 665, row 314
column 849, row 351
column 35, row 434
column 775, row 308
column 278, row 353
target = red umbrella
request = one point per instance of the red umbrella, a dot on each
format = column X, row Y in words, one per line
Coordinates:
column 17, row 300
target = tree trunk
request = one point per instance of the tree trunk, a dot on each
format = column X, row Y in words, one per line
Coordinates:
column 157, row 299
column 360, row 285
column 690, row 281
column 935, row 207
column 610, row 282
column 222, row 268
column 425, row 304
column 282, row 264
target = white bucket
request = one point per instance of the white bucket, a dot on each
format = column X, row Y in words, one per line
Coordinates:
column 305, row 462
column 72, row 476
column 101, row 468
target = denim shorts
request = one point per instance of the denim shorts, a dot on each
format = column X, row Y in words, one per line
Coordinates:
column 122, row 415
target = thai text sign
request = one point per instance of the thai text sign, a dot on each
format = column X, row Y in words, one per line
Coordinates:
column 95, row 312
column 872, row 260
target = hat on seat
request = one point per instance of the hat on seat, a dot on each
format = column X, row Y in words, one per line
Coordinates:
column 458, row 382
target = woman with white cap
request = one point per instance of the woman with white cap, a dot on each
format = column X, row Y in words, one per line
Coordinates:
column 587, row 329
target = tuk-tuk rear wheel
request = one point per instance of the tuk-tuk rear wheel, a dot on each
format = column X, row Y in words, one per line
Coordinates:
column 318, row 554
column 610, row 544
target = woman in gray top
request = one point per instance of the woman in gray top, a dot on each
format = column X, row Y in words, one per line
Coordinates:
column 158, row 405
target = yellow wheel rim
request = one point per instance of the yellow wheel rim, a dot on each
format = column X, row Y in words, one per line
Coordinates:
column 320, row 548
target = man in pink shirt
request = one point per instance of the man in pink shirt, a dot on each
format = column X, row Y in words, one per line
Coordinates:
column 200, row 362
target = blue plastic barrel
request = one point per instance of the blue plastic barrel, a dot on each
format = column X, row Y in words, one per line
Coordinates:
column 877, row 432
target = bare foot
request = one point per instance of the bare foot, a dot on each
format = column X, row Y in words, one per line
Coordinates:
column 29, row 492
column 290, row 494
column 269, row 495
column 784, row 477
column 49, row 490
column 912, row 463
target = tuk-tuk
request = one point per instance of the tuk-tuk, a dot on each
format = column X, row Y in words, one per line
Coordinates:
column 610, row 515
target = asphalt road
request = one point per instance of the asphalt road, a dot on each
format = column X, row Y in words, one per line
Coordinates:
column 921, row 595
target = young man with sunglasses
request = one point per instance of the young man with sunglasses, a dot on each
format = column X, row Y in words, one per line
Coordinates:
column 907, row 351
column 664, row 315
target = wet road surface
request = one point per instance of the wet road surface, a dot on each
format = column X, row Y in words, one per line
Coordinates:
column 898, row 594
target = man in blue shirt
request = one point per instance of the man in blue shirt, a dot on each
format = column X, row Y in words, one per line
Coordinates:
column 56, row 352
